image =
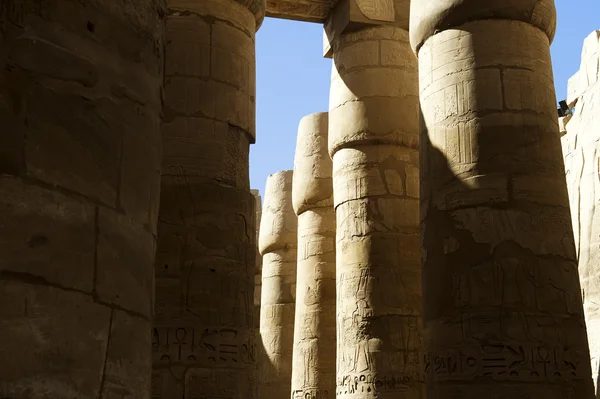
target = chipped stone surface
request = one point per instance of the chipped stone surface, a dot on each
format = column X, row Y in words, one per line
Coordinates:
column 313, row 370
column 278, row 245
column 80, row 107
column 581, row 143
column 502, row 310
column 204, row 336
column 373, row 140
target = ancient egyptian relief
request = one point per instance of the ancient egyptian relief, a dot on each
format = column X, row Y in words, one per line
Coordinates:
column 278, row 246
column 375, row 179
column 303, row 10
column 377, row 10
column 313, row 372
column 501, row 306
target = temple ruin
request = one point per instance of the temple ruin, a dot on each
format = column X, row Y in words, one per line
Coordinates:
column 580, row 130
column 437, row 239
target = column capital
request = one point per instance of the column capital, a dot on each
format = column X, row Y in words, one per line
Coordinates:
column 429, row 17
column 311, row 185
column 256, row 7
column 278, row 224
column 349, row 15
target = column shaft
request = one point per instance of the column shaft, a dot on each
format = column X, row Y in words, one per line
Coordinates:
column 502, row 307
column 258, row 266
column 278, row 245
column 204, row 338
column 373, row 139
column 257, row 293
column 80, row 150
column 313, row 370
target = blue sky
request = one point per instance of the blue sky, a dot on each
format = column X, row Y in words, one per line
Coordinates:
column 293, row 79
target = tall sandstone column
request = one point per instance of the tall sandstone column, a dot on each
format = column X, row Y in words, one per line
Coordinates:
column 258, row 265
column 313, row 370
column 502, row 313
column 80, row 150
column 373, row 140
column 581, row 145
column 204, row 338
column 278, row 245
column 258, row 351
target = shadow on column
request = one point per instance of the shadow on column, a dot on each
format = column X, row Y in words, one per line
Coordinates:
column 502, row 309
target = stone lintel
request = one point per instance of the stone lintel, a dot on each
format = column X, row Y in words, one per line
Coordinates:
column 348, row 15
column 299, row 10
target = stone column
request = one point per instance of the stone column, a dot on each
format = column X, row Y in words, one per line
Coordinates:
column 313, row 371
column 581, row 145
column 258, row 266
column 204, row 337
column 373, row 140
column 258, row 351
column 502, row 313
column 277, row 244
column 80, row 150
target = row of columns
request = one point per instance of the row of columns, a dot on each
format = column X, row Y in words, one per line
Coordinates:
column 502, row 310
column 493, row 307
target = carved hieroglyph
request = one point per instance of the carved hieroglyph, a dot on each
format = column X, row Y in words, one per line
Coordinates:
column 502, row 310
column 377, row 10
column 581, row 148
column 300, row 10
column 313, row 372
column 79, row 182
column 278, row 246
column 204, row 335
column 373, row 140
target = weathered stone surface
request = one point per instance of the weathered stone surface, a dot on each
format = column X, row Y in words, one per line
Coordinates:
column 587, row 76
column 204, row 336
column 430, row 17
column 581, row 143
column 502, row 310
column 258, row 266
column 352, row 11
column 257, row 289
column 278, row 245
column 349, row 15
column 299, row 10
column 313, row 369
column 373, row 140
column 80, row 99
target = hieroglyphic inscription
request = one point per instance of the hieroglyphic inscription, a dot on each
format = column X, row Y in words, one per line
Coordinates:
column 312, row 10
column 215, row 383
column 312, row 393
column 377, row 10
column 366, row 383
column 356, row 362
column 504, row 363
column 213, row 346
